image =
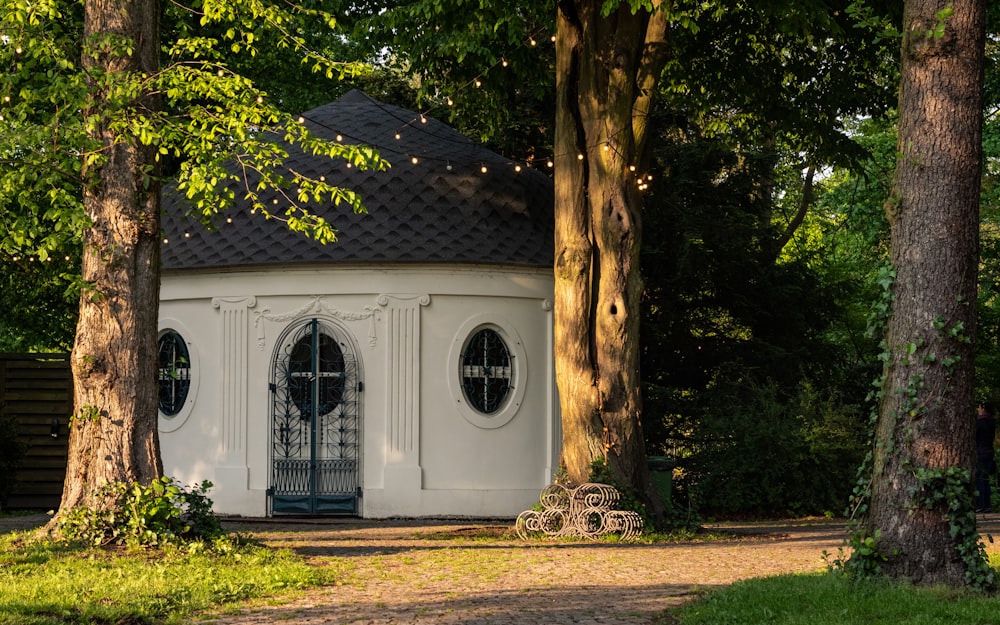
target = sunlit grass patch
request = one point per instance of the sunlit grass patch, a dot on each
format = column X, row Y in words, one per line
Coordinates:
column 830, row 599
column 43, row 583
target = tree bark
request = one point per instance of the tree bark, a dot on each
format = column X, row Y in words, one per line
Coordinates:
column 926, row 413
column 606, row 69
column 113, row 436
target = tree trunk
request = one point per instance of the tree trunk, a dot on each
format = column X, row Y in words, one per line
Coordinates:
column 926, row 413
column 606, row 68
column 113, row 436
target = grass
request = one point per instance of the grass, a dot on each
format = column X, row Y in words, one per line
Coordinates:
column 42, row 583
column 830, row 599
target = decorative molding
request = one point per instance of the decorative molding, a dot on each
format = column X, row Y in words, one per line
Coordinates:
column 423, row 300
column 403, row 375
column 233, row 359
column 547, row 305
column 246, row 301
column 314, row 306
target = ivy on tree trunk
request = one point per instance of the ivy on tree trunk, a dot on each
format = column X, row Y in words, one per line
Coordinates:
column 921, row 517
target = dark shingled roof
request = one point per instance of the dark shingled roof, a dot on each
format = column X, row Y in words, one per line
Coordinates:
column 441, row 210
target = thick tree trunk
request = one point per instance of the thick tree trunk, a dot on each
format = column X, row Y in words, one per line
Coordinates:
column 113, row 435
column 926, row 414
column 606, row 68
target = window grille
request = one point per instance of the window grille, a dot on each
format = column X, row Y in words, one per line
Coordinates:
column 174, row 373
column 487, row 371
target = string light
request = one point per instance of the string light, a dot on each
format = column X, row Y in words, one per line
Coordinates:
column 477, row 82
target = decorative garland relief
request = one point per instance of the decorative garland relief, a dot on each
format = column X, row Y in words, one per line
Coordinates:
column 317, row 305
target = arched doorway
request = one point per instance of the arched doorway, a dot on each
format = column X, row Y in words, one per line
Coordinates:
column 315, row 425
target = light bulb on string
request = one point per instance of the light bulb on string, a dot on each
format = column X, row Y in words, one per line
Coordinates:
column 414, row 160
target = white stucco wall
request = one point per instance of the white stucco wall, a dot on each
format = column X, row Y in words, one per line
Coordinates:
column 424, row 452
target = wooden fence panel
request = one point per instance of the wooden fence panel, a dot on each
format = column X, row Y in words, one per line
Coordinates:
column 37, row 390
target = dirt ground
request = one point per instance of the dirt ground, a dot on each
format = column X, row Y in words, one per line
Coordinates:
column 426, row 572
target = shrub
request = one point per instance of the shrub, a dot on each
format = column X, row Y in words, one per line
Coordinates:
column 161, row 513
column 761, row 452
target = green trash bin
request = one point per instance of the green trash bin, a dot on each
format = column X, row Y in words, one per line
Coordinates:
column 661, row 473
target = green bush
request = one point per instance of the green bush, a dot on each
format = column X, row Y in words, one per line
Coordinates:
column 161, row 513
column 759, row 452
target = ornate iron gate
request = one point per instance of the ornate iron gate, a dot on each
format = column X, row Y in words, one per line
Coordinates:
column 314, row 425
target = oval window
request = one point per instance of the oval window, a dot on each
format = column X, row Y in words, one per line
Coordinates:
column 174, row 373
column 487, row 371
